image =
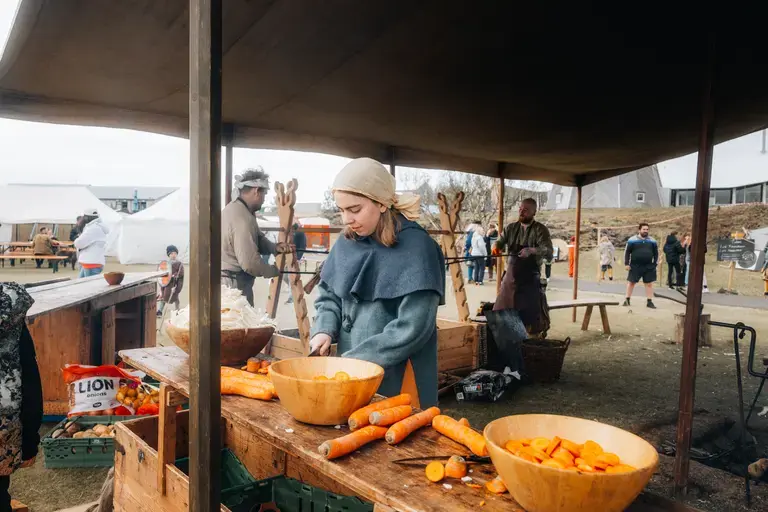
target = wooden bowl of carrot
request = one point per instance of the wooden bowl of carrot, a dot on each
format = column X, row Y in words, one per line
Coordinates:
column 237, row 345
column 325, row 390
column 540, row 488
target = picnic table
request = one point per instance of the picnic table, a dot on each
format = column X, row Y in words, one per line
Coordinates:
column 85, row 321
column 23, row 251
column 590, row 304
column 269, row 442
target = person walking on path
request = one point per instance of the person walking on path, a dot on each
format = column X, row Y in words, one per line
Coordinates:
column 607, row 253
column 300, row 242
column 479, row 254
column 673, row 250
column 571, row 256
column 640, row 258
column 490, row 244
column 468, row 254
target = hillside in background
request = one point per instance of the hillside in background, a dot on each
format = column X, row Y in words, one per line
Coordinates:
column 621, row 224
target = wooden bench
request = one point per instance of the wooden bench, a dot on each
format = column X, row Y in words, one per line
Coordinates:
column 17, row 255
column 589, row 304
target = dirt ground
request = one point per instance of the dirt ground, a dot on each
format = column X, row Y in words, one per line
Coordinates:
column 629, row 379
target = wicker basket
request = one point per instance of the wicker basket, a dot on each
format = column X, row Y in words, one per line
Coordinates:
column 543, row 359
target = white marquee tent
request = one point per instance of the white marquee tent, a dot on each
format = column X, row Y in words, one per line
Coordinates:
column 48, row 204
column 143, row 237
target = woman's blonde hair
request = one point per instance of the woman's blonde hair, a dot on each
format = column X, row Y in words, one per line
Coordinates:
column 386, row 229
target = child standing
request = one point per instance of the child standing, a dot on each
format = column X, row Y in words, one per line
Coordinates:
column 607, row 257
column 169, row 293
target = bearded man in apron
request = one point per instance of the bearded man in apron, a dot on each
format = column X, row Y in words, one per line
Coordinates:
column 528, row 243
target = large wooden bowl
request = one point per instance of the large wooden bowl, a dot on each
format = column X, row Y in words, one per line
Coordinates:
column 324, row 402
column 237, row 345
column 543, row 489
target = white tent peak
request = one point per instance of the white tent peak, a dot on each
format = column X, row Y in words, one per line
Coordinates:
column 50, row 204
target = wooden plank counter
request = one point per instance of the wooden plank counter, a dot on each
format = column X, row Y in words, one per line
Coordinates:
column 270, row 442
column 86, row 321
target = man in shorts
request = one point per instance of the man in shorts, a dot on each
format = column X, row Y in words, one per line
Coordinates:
column 641, row 257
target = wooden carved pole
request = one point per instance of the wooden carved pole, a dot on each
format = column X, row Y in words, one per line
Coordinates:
column 285, row 201
column 449, row 219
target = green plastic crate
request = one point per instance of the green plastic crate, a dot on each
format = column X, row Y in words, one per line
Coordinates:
column 233, row 473
column 81, row 453
column 289, row 494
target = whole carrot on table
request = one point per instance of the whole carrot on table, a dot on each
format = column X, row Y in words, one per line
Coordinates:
column 347, row 444
column 452, row 429
column 360, row 417
column 406, row 427
column 387, row 417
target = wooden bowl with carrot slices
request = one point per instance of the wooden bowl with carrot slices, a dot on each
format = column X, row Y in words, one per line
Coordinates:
column 325, row 390
column 563, row 464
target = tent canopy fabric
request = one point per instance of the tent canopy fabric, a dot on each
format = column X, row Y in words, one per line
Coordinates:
column 50, row 204
column 548, row 91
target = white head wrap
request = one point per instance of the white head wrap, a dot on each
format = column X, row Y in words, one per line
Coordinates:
column 367, row 177
column 240, row 184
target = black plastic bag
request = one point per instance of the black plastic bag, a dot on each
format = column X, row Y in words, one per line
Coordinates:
column 505, row 334
column 482, row 385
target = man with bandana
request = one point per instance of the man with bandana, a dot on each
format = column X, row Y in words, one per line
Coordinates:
column 242, row 242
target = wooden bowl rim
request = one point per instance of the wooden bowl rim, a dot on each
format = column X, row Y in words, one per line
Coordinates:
column 114, row 274
column 379, row 372
column 600, row 475
column 169, row 325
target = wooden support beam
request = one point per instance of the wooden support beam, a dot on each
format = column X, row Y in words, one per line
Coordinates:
column 695, row 280
column 449, row 219
column 500, row 261
column 108, row 335
column 205, row 57
column 166, row 435
column 229, row 136
column 576, row 250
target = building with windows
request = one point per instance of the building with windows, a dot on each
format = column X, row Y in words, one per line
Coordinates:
column 131, row 199
column 638, row 189
column 739, row 173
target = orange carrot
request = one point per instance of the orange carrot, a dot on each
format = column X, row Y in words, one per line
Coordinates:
column 451, row 428
column 435, row 471
column 496, row 486
column 404, row 428
column 390, row 416
column 241, row 387
column 464, row 421
column 253, row 365
column 456, row 467
column 359, row 418
column 226, row 371
column 347, row 444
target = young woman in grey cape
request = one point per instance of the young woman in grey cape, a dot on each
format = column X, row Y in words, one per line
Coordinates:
column 382, row 282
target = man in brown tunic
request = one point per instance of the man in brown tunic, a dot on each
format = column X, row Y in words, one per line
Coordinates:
column 528, row 243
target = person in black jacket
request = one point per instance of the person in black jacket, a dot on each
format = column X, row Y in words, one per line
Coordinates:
column 673, row 250
column 300, row 241
column 21, row 410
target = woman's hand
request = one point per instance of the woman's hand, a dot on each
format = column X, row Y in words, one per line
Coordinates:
column 321, row 341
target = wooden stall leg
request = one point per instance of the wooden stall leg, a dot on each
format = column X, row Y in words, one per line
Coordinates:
column 149, row 320
column 604, row 318
column 166, row 436
column 108, row 333
column 587, row 318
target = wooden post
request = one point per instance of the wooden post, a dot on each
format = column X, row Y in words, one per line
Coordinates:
column 392, row 161
column 166, row 435
column 449, row 219
column 576, row 250
column 229, row 147
column 731, row 270
column 695, row 281
column 285, row 201
column 205, row 54
column 705, row 330
column 108, row 335
column 500, row 261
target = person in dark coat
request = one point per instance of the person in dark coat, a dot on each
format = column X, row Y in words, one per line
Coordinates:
column 300, row 241
column 21, row 407
column 673, row 249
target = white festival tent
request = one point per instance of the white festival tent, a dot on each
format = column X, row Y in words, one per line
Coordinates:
column 49, row 204
column 142, row 238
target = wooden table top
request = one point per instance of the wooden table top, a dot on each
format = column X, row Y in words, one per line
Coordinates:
column 368, row 471
column 78, row 291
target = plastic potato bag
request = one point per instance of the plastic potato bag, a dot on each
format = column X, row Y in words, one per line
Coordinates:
column 94, row 390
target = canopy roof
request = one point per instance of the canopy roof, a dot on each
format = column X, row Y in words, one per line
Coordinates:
column 50, row 204
column 554, row 91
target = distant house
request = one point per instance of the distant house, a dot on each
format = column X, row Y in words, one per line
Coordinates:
column 739, row 173
column 639, row 189
column 131, row 199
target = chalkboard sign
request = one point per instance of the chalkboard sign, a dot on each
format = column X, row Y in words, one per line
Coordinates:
column 740, row 250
